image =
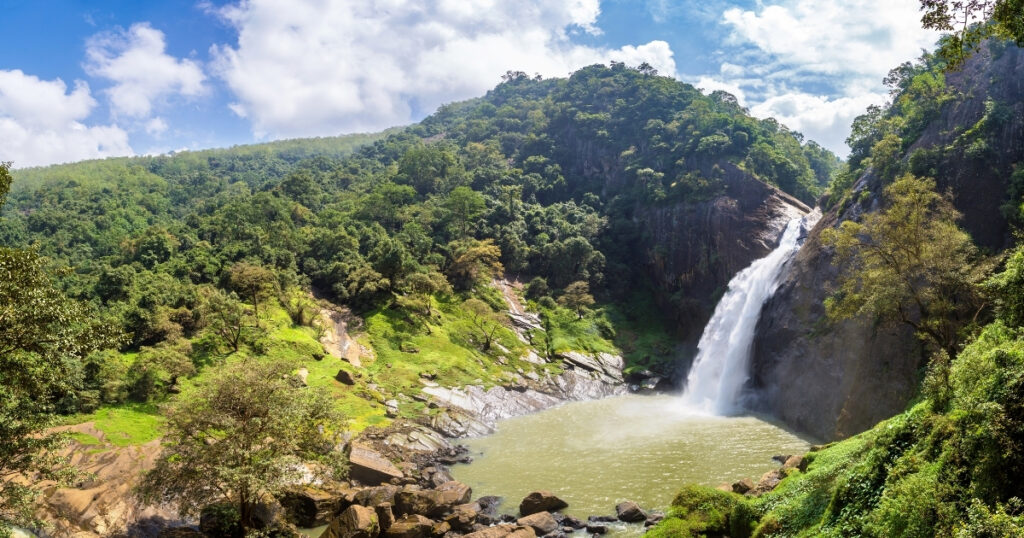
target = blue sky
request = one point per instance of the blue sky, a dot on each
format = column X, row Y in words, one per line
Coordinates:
column 100, row 78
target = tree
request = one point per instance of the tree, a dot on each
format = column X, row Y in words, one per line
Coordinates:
column 224, row 315
column 44, row 338
column 910, row 263
column 242, row 436
column 577, row 297
column 484, row 318
column 972, row 21
column 422, row 286
column 252, row 282
column 158, row 368
column 465, row 205
column 5, row 181
column 473, row 261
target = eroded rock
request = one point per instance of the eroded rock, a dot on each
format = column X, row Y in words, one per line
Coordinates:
column 542, row 523
column 370, row 467
column 630, row 512
column 541, row 501
column 355, row 522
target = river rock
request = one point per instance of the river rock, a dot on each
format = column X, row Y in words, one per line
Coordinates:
column 768, row 482
column 355, row 522
column 794, row 462
column 504, row 531
column 653, row 519
column 369, row 467
column 410, row 526
column 377, row 495
column 310, row 507
column 385, row 516
column 597, row 528
column 568, row 521
column 743, row 486
column 454, row 492
column 630, row 512
column 463, row 518
column 427, row 502
column 440, row 476
column 541, row 501
column 541, row 522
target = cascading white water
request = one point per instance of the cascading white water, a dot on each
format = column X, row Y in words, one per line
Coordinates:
column 721, row 367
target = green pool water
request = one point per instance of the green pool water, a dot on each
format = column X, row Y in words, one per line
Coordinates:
column 598, row 453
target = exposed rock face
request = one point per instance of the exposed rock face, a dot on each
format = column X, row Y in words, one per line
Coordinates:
column 833, row 381
column 473, row 411
column 694, row 249
column 310, row 507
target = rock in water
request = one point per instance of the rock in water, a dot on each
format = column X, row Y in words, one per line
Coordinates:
column 541, row 522
column 630, row 512
column 541, row 501
column 355, row 522
column 370, row 467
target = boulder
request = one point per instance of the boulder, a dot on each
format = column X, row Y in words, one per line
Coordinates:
column 441, row 528
column 794, row 462
column 504, row 531
column 630, row 512
column 385, row 516
column 344, row 376
column 489, row 504
column 427, row 502
column 743, row 486
column 768, row 482
column 463, row 518
column 303, row 376
column 541, row 522
column 355, row 522
column 440, row 476
column 376, row 495
column 569, row 521
column 653, row 519
column 310, row 507
column 597, row 528
column 410, row 526
column 369, row 467
column 454, row 492
column 541, row 501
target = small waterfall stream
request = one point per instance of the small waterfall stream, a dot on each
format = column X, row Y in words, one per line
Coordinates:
column 721, row 367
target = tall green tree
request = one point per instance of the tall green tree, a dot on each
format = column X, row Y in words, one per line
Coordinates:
column 577, row 297
column 909, row 262
column 243, row 435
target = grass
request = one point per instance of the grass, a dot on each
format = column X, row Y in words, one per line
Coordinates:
column 85, row 439
column 125, row 424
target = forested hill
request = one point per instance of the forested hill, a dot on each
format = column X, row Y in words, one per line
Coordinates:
column 539, row 176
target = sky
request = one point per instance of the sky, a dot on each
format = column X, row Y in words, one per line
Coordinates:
column 89, row 79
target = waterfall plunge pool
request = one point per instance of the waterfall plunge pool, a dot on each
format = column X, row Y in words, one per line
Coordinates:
column 595, row 454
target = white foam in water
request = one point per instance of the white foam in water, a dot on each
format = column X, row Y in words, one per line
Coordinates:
column 721, row 367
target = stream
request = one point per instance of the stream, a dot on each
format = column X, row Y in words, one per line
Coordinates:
column 595, row 454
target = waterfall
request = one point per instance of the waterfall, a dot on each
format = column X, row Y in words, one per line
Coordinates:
column 721, row 367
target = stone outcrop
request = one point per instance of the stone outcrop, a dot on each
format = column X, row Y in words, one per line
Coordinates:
column 630, row 512
column 693, row 249
column 542, row 523
column 355, row 522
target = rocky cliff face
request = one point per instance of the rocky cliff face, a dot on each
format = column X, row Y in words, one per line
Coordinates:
column 836, row 380
column 692, row 250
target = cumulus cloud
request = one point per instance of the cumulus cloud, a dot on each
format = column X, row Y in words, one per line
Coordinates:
column 141, row 70
column 41, row 122
column 815, row 65
column 312, row 67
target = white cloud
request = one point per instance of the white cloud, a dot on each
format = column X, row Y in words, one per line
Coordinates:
column 156, row 126
column 41, row 123
column 820, row 118
column 815, row 65
column 143, row 73
column 312, row 67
